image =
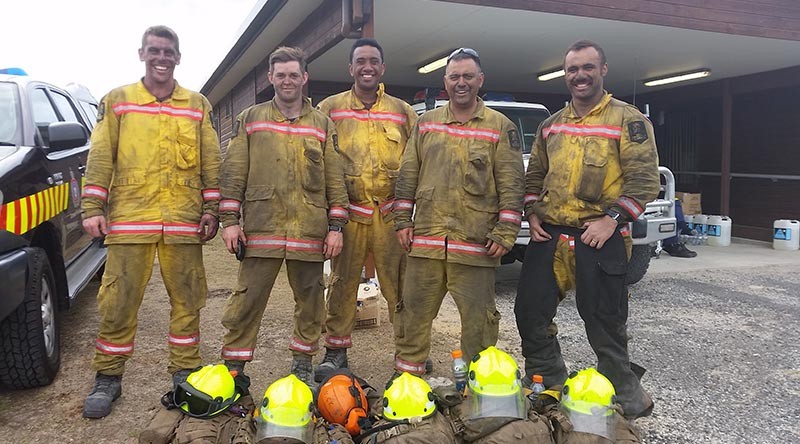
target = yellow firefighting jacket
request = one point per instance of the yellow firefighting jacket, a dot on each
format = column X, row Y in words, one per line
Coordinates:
column 153, row 166
column 582, row 166
column 371, row 142
column 467, row 182
column 284, row 178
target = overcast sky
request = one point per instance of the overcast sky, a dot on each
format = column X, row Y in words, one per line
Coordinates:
column 95, row 42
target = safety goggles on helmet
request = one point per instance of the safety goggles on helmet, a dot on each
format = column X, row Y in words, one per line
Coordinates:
column 587, row 399
column 207, row 392
column 341, row 400
column 495, row 386
column 286, row 411
column 408, row 397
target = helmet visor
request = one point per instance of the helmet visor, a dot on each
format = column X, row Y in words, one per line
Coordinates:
column 506, row 406
column 267, row 432
column 600, row 422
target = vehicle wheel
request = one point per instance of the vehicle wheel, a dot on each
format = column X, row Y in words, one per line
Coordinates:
column 638, row 264
column 30, row 338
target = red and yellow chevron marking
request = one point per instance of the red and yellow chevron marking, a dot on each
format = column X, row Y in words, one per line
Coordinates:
column 22, row 215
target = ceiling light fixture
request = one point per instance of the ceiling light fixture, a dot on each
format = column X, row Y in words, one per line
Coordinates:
column 433, row 66
column 551, row 74
column 680, row 77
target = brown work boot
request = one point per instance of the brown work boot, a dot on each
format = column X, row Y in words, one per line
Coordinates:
column 106, row 390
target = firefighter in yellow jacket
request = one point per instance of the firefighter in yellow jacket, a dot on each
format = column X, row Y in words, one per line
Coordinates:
column 373, row 128
column 151, row 186
column 462, row 169
column 593, row 167
column 282, row 176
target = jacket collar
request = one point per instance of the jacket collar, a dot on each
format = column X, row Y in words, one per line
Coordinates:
column 144, row 97
column 276, row 115
column 356, row 103
column 570, row 114
column 479, row 113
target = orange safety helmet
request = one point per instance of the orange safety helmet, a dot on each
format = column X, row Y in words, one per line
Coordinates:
column 341, row 400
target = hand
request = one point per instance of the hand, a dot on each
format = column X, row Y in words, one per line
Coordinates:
column 598, row 231
column 495, row 250
column 538, row 234
column 231, row 236
column 333, row 244
column 406, row 237
column 95, row 226
column 209, row 224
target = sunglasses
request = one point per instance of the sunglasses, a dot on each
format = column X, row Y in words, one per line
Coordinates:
column 468, row 51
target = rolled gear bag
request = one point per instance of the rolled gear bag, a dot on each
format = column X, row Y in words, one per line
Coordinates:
column 171, row 426
column 535, row 429
column 435, row 429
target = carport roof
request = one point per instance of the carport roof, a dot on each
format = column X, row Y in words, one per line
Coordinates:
column 515, row 45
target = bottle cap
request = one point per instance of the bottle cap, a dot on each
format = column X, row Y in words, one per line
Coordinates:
column 456, row 354
column 537, row 378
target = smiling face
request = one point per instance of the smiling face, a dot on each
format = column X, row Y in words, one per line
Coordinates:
column 584, row 75
column 367, row 68
column 160, row 57
column 288, row 79
column 462, row 80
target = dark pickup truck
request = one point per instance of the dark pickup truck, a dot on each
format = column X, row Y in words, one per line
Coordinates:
column 45, row 256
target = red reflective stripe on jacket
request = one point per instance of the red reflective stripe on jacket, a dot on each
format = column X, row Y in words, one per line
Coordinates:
column 466, row 248
column 456, row 131
column 157, row 108
column 366, row 115
column 285, row 128
column 611, row 132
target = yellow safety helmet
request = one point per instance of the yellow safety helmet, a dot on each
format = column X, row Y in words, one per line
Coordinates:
column 286, row 411
column 207, row 392
column 408, row 397
column 587, row 399
column 495, row 385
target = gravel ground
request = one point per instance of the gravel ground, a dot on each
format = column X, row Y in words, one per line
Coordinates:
column 721, row 347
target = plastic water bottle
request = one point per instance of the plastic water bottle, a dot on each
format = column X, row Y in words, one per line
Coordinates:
column 537, row 387
column 460, row 370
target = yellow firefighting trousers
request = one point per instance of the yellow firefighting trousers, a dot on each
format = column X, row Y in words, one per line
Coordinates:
column 390, row 263
column 128, row 270
column 245, row 307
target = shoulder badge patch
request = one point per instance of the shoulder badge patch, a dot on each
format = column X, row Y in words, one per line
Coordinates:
column 336, row 142
column 513, row 140
column 637, row 131
column 101, row 110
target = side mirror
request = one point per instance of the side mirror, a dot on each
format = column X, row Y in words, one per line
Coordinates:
column 66, row 135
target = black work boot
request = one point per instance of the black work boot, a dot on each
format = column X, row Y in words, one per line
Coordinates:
column 679, row 250
column 335, row 358
column 302, row 368
column 106, row 390
column 237, row 366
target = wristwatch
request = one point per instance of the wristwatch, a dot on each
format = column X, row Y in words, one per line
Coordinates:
column 335, row 228
column 613, row 214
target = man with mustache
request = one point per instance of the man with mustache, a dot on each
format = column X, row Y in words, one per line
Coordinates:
column 593, row 167
column 462, row 170
column 151, row 188
column 373, row 128
column 283, row 177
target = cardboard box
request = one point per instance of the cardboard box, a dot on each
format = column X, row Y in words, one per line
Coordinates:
column 368, row 312
column 690, row 202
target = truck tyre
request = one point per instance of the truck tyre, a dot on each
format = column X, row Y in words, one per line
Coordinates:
column 30, row 336
column 638, row 263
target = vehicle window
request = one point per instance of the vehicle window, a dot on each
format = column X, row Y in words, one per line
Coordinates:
column 527, row 121
column 65, row 107
column 9, row 114
column 91, row 111
column 43, row 111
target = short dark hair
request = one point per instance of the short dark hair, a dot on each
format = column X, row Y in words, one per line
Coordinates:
column 288, row 54
column 583, row 44
column 365, row 42
column 465, row 53
column 164, row 32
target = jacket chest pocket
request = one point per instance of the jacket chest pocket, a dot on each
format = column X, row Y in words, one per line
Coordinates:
column 187, row 145
column 478, row 170
column 313, row 167
column 390, row 157
column 593, row 169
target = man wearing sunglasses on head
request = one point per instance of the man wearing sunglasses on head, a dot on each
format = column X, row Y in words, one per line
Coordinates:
column 457, row 210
